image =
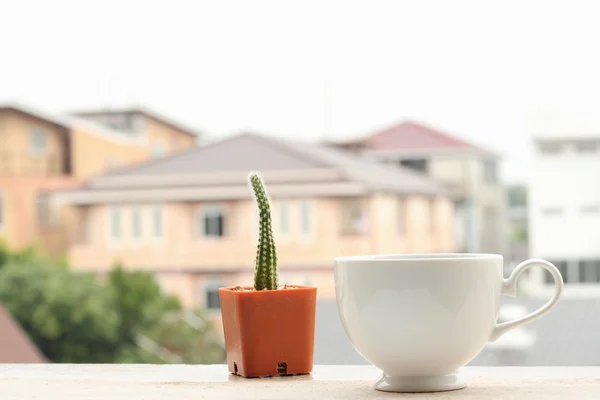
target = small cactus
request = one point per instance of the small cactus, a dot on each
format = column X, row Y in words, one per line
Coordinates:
column 265, row 272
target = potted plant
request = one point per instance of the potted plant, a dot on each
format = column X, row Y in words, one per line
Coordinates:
column 269, row 329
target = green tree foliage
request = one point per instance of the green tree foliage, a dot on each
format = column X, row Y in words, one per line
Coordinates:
column 69, row 316
column 183, row 336
column 138, row 300
column 74, row 317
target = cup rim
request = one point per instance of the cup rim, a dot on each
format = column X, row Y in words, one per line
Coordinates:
column 416, row 257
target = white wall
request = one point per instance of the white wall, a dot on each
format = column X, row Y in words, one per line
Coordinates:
column 566, row 181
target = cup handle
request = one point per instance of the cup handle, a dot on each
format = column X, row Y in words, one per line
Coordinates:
column 509, row 288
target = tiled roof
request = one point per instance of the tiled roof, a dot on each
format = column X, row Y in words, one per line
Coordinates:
column 69, row 122
column 252, row 152
column 34, row 112
column 15, row 345
column 412, row 136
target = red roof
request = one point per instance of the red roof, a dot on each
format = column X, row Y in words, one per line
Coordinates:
column 413, row 136
column 15, row 345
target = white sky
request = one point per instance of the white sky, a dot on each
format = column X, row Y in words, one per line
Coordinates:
column 312, row 69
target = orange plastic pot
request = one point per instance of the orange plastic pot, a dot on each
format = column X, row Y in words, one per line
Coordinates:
column 269, row 332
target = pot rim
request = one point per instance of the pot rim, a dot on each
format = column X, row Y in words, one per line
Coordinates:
column 291, row 287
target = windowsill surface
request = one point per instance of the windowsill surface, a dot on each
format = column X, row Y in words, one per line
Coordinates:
column 114, row 381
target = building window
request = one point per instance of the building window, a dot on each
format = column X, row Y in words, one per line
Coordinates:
column 353, row 216
column 136, row 222
column 84, row 226
column 158, row 150
column 583, row 272
column 211, row 292
column 586, row 147
column 37, row 141
column 549, row 211
column 590, row 209
column 115, row 222
column 2, row 207
column 550, row 147
column 562, row 268
column 490, row 172
column 157, row 221
column 45, row 215
column 306, row 217
column 284, row 223
column 138, row 124
column 589, row 271
column 418, row 164
column 212, row 221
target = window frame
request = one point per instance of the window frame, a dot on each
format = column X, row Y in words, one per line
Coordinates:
column 43, row 200
column 111, row 209
column 551, row 211
column 550, row 148
column 137, row 209
column 419, row 164
column 589, row 209
column 162, row 209
column 211, row 287
column 204, row 211
column 490, row 172
column 586, row 147
column 346, row 210
column 282, row 213
column 158, row 150
column 307, row 204
column 43, row 134
column 581, row 264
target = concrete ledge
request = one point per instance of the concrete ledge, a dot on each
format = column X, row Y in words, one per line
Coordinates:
column 182, row 382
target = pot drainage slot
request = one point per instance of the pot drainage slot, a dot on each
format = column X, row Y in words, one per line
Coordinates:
column 282, row 368
column 235, row 368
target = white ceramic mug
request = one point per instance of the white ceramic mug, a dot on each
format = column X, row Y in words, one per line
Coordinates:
column 421, row 317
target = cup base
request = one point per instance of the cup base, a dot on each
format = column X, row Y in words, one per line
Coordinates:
column 420, row 384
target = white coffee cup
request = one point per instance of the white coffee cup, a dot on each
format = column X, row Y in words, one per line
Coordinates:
column 421, row 317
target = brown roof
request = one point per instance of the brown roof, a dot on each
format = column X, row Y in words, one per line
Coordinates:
column 412, row 136
column 34, row 113
column 250, row 152
column 15, row 345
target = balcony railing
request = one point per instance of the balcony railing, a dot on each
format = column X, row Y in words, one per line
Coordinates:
column 127, row 382
column 15, row 163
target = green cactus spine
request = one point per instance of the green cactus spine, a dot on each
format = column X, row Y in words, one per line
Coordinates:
column 265, row 273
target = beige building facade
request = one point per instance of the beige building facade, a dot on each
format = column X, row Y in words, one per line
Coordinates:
column 190, row 219
column 470, row 172
column 40, row 153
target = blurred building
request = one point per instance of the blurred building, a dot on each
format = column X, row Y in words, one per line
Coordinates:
column 192, row 221
column 15, row 344
column 518, row 247
column 564, row 206
column 40, row 152
column 470, row 171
